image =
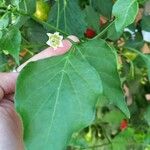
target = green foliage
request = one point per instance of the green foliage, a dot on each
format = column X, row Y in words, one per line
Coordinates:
column 4, row 21
column 92, row 18
column 62, row 80
column 28, row 6
column 145, row 23
column 125, row 13
column 12, row 46
column 104, row 8
column 146, row 116
column 109, row 74
column 67, row 16
column 80, row 98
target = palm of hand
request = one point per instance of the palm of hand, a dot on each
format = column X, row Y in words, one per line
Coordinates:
column 10, row 124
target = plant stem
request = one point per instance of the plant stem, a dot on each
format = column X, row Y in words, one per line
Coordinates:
column 96, row 146
column 105, row 134
column 103, row 31
column 58, row 12
column 90, row 2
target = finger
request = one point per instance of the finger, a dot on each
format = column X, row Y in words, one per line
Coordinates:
column 7, row 83
column 49, row 52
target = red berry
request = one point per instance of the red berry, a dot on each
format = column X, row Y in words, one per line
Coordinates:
column 123, row 125
column 89, row 33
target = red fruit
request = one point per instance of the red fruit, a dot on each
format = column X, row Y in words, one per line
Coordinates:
column 123, row 125
column 89, row 33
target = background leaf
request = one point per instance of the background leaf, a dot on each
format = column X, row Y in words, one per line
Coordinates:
column 125, row 12
column 67, row 16
column 4, row 21
column 3, row 62
column 103, row 7
column 56, row 97
column 34, row 34
column 103, row 59
column 28, row 6
column 92, row 18
column 147, row 114
column 11, row 42
column 145, row 23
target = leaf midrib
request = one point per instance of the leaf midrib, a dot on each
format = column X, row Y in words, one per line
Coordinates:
column 57, row 98
column 125, row 18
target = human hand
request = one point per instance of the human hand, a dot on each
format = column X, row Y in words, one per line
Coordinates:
column 11, row 129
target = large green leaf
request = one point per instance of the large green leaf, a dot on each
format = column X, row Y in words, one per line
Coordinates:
column 11, row 42
column 56, row 97
column 67, row 16
column 125, row 12
column 103, row 58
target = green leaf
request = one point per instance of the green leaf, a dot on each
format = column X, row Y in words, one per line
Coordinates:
column 1, row 34
column 112, row 119
column 147, row 114
column 125, row 12
column 29, row 6
column 145, row 23
column 11, row 42
column 123, row 140
column 113, row 34
column 103, row 58
column 3, row 63
column 92, row 18
column 2, row 2
column 104, row 7
column 4, row 21
column 67, row 16
column 15, row 2
column 56, row 97
column 35, row 34
column 145, row 58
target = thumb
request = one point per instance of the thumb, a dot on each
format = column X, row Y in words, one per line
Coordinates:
column 49, row 52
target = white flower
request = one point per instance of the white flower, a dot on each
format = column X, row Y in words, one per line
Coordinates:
column 55, row 40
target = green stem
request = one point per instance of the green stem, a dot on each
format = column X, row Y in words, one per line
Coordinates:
column 105, row 134
column 90, row 2
column 101, row 33
column 25, row 5
column 58, row 12
column 132, row 69
column 96, row 146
